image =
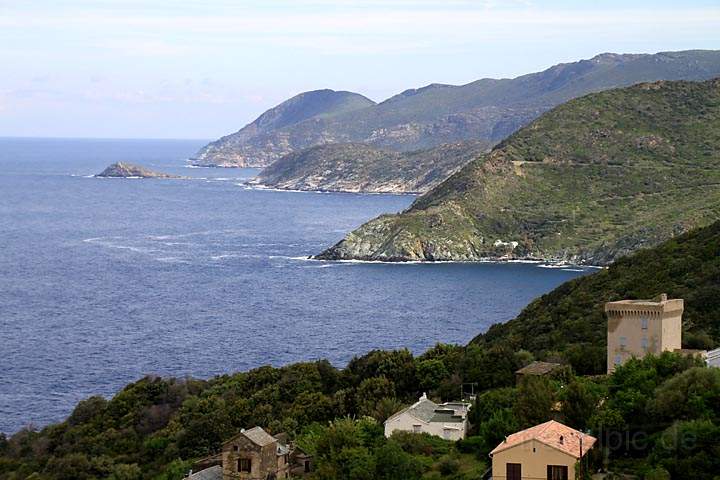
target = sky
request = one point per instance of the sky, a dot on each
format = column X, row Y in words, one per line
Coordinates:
column 202, row 69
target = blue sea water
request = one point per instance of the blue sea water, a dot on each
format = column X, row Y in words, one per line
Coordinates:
column 105, row 280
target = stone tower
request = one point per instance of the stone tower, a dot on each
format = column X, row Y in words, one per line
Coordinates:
column 640, row 327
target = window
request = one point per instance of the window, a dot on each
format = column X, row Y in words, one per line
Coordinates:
column 236, row 448
column 513, row 471
column 644, row 343
column 417, row 428
column 244, row 465
column 557, row 472
column 623, row 342
column 618, row 360
column 644, row 322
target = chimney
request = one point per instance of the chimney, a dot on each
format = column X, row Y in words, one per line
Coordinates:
column 424, row 396
column 663, row 297
column 562, row 440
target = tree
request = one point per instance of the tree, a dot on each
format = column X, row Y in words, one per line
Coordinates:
column 580, row 399
column 392, row 463
column 431, row 373
column 74, row 466
column 385, row 408
column 124, row 471
column 494, row 430
column 535, row 400
column 370, row 392
column 689, row 450
column 693, row 394
column 490, row 402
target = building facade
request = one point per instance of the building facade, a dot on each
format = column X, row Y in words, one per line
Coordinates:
column 255, row 455
column 549, row 451
column 446, row 420
column 640, row 327
column 252, row 454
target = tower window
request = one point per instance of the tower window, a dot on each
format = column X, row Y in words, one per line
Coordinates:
column 644, row 323
column 623, row 342
column 644, row 343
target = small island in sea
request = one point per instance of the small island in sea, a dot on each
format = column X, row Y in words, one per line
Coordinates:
column 128, row 170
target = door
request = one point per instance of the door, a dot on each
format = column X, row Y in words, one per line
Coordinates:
column 513, row 471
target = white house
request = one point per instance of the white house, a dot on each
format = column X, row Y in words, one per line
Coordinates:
column 446, row 420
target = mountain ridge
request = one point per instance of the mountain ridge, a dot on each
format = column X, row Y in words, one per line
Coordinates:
column 486, row 109
column 249, row 146
column 588, row 182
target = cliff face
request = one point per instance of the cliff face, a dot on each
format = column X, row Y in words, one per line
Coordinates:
column 127, row 170
column 294, row 124
column 363, row 168
column 486, row 110
column 588, row 182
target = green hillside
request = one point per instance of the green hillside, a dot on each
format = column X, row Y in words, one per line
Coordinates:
column 155, row 428
column 571, row 317
column 486, row 110
column 588, row 182
column 356, row 167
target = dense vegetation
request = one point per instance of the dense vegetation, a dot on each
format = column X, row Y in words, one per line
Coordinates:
column 356, row 167
column 642, row 414
column 571, row 317
column 589, row 182
column 487, row 110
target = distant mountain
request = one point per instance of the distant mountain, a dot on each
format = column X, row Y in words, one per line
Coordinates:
column 486, row 110
column 281, row 130
column 357, row 167
column 588, row 182
column 128, row 170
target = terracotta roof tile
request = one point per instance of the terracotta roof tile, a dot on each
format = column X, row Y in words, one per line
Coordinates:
column 554, row 434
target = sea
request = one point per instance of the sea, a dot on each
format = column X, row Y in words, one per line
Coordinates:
column 104, row 281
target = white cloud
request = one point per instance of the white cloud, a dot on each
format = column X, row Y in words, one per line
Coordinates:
column 383, row 27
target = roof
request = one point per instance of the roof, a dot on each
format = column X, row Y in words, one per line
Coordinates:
column 256, row 435
column 212, row 473
column 659, row 303
column 259, row 436
column 446, row 416
column 423, row 410
column 538, row 368
column 553, row 434
column 430, row 412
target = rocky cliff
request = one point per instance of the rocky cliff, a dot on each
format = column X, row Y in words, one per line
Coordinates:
column 588, row 182
column 292, row 125
column 363, row 168
column 486, row 110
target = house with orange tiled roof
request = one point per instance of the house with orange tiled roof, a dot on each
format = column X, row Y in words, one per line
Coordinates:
column 546, row 451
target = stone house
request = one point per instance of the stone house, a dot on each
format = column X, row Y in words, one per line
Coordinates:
column 549, row 451
column 446, row 420
column 254, row 454
column 637, row 328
